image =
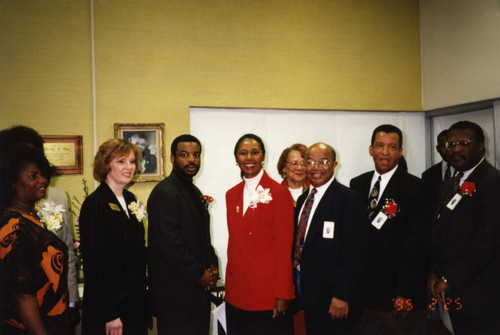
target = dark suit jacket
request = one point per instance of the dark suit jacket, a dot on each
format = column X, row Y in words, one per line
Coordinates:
column 433, row 175
column 333, row 267
column 397, row 257
column 432, row 178
column 180, row 248
column 114, row 255
column 466, row 244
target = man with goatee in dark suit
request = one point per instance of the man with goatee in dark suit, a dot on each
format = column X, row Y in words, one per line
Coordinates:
column 182, row 262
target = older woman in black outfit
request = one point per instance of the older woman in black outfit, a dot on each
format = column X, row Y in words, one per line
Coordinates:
column 113, row 247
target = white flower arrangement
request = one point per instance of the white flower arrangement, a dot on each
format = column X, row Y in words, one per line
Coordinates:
column 138, row 209
column 261, row 195
column 50, row 215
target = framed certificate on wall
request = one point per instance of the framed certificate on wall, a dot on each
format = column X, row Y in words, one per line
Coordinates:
column 64, row 152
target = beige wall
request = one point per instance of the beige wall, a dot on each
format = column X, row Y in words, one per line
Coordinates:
column 155, row 59
column 460, row 51
column 45, row 70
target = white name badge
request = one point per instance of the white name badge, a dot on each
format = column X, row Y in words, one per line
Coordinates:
column 379, row 220
column 454, row 201
column 328, row 229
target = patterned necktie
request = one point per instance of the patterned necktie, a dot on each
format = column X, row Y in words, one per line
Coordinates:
column 448, row 190
column 373, row 198
column 301, row 231
column 456, row 181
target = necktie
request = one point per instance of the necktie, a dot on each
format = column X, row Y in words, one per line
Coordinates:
column 447, row 173
column 456, row 181
column 301, row 231
column 448, row 189
column 373, row 198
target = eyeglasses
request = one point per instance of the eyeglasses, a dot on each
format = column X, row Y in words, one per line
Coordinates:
column 295, row 164
column 462, row 143
column 323, row 163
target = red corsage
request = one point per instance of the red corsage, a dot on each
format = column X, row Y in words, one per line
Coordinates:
column 468, row 188
column 390, row 208
column 207, row 201
column 208, row 198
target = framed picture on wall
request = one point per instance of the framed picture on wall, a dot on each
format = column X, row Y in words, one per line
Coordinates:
column 64, row 152
column 149, row 138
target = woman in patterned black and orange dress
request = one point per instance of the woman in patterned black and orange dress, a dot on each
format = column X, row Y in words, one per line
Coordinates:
column 33, row 285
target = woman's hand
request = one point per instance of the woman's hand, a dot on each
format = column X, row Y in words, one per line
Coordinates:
column 114, row 327
column 339, row 309
column 280, row 307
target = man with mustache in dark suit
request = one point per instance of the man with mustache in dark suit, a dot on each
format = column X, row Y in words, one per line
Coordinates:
column 466, row 236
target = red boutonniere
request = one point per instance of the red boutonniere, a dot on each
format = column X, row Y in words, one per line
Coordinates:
column 468, row 188
column 207, row 201
column 390, row 208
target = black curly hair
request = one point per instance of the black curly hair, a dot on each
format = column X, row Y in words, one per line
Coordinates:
column 19, row 147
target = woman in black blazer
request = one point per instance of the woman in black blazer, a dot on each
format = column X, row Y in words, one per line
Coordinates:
column 113, row 247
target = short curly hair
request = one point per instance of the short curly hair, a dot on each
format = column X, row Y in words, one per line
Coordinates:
column 13, row 163
column 17, row 146
column 112, row 148
column 284, row 155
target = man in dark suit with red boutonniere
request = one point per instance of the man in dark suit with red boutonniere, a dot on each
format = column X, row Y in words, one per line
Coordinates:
column 394, row 295
column 183, row 266
column 466, row 236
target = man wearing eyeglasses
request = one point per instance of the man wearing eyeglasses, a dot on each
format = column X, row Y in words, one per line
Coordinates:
column 466, row 236
column 330, row 247
column 395, row 296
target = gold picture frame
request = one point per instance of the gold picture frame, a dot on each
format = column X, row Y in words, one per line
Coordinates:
column 65, row 152
column 149, row 138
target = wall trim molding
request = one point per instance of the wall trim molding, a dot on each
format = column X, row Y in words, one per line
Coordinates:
column 463, row 108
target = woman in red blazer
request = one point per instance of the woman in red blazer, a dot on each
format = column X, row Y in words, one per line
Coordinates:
column 259, row 282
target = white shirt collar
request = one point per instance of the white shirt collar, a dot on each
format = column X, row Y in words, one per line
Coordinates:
column 321, row 189
column 254, row 181
column 250, row 186
column 317, row 199
column 468, row 172
column 444, row 166
column 384, row 180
